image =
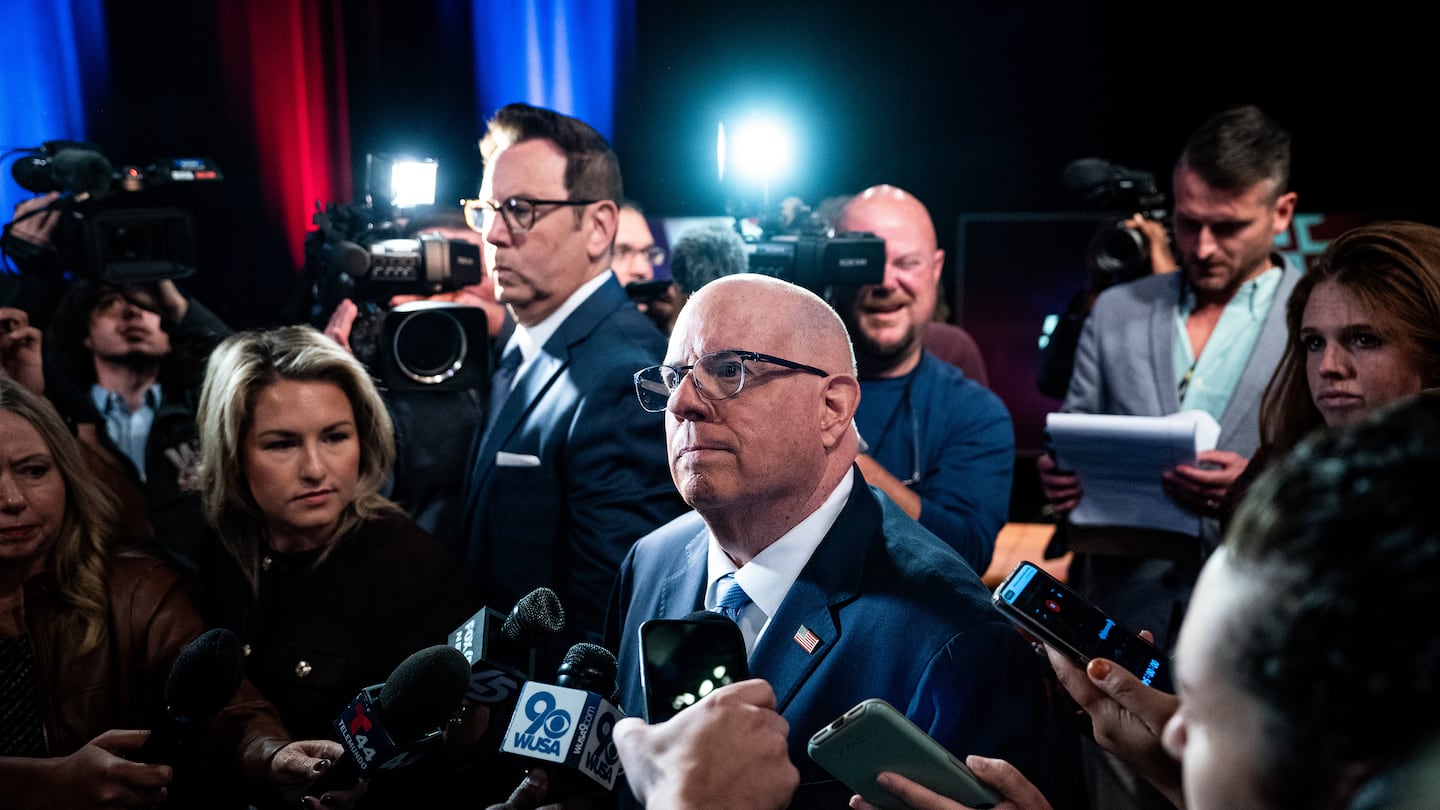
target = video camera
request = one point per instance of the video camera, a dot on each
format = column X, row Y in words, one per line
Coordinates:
column 796, row 245
column 103, row 234
column 367, row 253
column 1117, row 252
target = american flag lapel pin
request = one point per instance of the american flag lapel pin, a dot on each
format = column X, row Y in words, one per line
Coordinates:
column 807, row 639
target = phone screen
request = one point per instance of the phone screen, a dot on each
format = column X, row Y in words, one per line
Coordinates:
column 683, row 660
column 1064, row 618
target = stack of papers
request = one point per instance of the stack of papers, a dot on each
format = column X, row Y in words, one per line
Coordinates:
column 1119, row 460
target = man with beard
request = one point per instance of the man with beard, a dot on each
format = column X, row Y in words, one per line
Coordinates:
column 1207, row 338
column 941, row 445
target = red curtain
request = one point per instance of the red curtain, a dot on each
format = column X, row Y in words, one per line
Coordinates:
column 284, row 67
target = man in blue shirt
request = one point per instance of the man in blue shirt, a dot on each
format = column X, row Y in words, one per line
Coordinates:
column 941, row 445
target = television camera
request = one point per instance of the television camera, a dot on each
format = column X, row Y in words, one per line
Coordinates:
column 368, row 252
column 104, row 232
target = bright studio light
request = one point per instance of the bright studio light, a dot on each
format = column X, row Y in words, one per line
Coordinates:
column 412, row 182
column 760, row 151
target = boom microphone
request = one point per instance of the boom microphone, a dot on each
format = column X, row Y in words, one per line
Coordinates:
column 394, row 724
column 501, row 649
column 570, row 726
column 202, row 680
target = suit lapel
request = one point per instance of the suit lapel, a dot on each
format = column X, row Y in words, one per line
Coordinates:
column 1162, row 348
column 553, row 359
column 1260, row 367
column 831, row 578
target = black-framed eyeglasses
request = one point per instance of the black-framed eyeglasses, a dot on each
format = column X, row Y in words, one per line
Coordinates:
column 717, row 376
column 519, row 213
column 654, row 254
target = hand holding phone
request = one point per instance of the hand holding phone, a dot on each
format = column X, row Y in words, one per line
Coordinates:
column 1068, row 622
column 874, row 737
column 683, row 660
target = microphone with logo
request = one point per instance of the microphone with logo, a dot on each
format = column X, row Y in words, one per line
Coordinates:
column 398, row 722
column 569, row 727
column 500, row 648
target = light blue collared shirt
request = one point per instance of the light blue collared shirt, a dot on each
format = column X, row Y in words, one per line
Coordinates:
column 130, row 430
column 1207, row 383
column 768, row 576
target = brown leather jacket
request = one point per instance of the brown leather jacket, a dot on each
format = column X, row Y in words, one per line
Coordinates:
column 121, row 683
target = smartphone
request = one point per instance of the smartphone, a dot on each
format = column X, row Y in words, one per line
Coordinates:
column 643, row 291
column 683, row 660
column 873, row 737
column 1068, row 622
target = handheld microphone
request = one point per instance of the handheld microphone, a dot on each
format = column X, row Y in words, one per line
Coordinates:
column 501, row 649
column 394, row 724
column 570, row 726
column 202, row 680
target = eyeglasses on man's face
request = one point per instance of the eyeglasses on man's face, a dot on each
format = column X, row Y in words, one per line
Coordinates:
column 519, row 213
column 717, row 376
column 654, row 254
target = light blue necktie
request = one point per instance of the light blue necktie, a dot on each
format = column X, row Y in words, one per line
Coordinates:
column 731, row 599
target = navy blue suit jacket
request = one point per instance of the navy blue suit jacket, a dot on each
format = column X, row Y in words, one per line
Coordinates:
column 584, row 473
column 899, row 616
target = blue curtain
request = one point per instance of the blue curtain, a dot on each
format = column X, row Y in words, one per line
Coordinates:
column 52, row 70
column 560, row 54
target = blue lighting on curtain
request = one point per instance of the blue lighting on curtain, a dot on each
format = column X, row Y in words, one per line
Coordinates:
column 53, row 64
column 560, row 54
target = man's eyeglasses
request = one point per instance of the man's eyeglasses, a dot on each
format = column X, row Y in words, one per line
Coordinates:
column 653, row 254
column 519, row 213
column 718, row 375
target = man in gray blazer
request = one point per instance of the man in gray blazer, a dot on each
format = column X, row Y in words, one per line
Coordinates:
column 1207, row 337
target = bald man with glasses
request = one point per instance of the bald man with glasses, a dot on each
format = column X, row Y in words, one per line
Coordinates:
column 843, row 596
column 566, row 473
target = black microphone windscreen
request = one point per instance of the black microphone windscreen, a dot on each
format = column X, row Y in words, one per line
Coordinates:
column 423, row 691
column 81, row 170
column 205, row 676
column 538, row 613
column 1086, row 173
column 589, row 667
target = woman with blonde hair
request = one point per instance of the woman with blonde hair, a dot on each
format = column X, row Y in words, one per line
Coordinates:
column 327, row 582
column 88, row 636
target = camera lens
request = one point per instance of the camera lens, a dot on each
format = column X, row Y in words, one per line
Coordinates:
column 430, row 346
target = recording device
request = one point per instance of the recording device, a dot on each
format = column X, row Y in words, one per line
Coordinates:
column 821, row 264
column 570, row 726
column 874, row 737
column 104, row 232
column 202, row 680
column 683, row 660
column 643, row 292
column 396, row 723
column 705, row 253
column 1116, row 253
column 1064, row 619
column 500, row 649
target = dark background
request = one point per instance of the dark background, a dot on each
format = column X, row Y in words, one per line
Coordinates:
column 974, row 107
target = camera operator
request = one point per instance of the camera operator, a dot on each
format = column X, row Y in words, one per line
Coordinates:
column 939, row 444
column 123, row 367
column 1121, row 250
column 430, row 465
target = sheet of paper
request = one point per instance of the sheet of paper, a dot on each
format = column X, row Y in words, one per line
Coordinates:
column 1119, row 460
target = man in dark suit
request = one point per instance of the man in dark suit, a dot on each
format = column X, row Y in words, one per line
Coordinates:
column 845, row 597
column 568, row 473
